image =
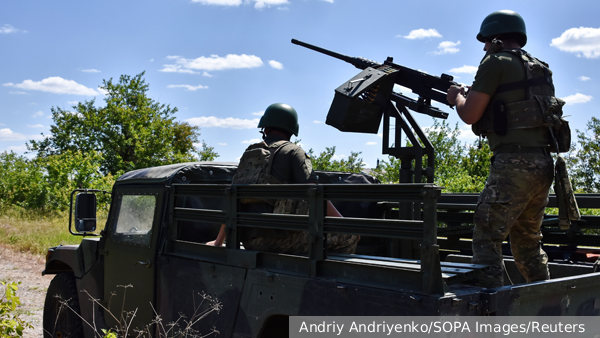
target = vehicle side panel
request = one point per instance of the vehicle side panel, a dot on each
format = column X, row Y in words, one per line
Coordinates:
column 183, row 281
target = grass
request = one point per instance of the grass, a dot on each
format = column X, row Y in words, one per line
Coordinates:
column 35, row 231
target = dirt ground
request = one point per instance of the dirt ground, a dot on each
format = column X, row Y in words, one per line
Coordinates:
column 27, row 268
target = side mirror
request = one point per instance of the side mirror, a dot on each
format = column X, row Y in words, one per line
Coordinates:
column 85, row 212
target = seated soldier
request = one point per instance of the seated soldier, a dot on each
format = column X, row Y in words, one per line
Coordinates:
column 276, row 160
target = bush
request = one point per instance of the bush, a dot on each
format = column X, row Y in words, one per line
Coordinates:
column 325, row 161
column 22, row 182
column 46, row 183
column 11, row 325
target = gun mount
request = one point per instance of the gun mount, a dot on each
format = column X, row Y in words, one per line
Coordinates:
column 361, row 102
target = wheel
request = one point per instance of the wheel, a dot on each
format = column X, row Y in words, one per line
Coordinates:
column 59, row 320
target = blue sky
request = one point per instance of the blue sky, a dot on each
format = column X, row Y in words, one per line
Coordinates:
column 222, row 62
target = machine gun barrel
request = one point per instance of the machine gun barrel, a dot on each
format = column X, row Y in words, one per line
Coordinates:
column 428, row 87
column 358, row 62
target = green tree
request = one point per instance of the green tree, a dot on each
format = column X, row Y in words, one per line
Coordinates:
column 584, row 162
column 74, row 170
column 325, row 161
column 22, row 182
column 388, row 171
column 207, row 153
column 46, row 183
column 131, row 131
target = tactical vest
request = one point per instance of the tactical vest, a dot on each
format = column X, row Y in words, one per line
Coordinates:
column 540, row 108
column 255, row 168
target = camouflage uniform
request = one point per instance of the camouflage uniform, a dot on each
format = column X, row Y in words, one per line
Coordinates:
column 516, row 192
column 290, row 165
column 512, row 203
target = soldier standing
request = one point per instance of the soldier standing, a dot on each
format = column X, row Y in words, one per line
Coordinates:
column 276, row 160
column 507, row 103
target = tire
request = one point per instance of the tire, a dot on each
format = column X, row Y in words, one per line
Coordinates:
column 59, row 320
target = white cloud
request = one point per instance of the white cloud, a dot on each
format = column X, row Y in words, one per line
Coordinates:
column 91, row 71
column 9, row 135
column 151, row 60
column 582, row 41
column 447, row 47
column 214, row 62
column 330, row 1
column 466, row 134
column 371, row 143
column 206, row 74
column 219, row 2
column 268, row 3
column 260, row 113
column 252, row 141
column 56, row 85
column 577, row 98
column 258, row 4
column 584, row 78
column 229, row 122
column 464, row 70
column 222, row 144
column 188, row 87
column 275, row 64
column 16, row 149
column 422, row 34
column 38, row 114
column 175, row 69
column 7, row 29
column 17, row 93
column 73, row 103
column 317, row 122
column 36, row 126
column 338, row 157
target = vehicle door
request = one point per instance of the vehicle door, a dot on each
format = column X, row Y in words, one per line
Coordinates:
column 130, row 256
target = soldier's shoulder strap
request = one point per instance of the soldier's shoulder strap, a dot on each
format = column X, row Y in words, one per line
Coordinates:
column 527, row 82
column 261, row 144
column 274, row 148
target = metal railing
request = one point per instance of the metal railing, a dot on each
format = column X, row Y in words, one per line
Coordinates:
column 426, row 279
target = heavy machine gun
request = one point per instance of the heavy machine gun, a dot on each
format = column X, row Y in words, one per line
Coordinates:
column 361, row 102
column 370, row 90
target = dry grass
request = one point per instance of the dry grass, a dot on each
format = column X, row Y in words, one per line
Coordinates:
column 36, row 231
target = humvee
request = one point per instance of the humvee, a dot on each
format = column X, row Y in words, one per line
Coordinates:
column 150, row 266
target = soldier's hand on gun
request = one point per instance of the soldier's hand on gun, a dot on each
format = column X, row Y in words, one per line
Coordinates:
column 454, row 91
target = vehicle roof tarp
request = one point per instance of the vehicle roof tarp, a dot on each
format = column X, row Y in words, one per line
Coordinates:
column 190, row 172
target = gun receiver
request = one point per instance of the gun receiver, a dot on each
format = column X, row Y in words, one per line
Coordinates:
column 359, row 102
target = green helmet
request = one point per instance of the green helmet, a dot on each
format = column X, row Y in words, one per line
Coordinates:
column 280, row 115
column 503, row 22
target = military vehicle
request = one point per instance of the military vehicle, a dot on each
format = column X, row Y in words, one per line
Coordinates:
column 161, row 217
column 150, row 266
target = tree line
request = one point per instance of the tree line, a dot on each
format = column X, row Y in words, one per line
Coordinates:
column 90, row 146
column 463, row 167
